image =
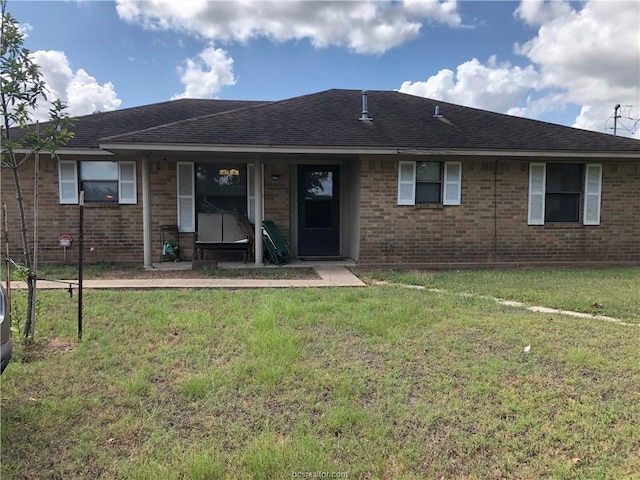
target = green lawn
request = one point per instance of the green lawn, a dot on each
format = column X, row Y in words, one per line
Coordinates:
column 380, row 382
column 612, row 291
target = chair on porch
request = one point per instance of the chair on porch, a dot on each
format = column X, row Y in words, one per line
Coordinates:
column 276, row 244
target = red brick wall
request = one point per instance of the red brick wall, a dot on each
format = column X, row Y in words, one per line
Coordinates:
column 481, row 230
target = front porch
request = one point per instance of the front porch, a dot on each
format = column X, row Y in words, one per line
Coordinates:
column 312, row 200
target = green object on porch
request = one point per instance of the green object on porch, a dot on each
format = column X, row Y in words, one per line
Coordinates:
column 276, row 245
column 170, row 249
column 170, row 240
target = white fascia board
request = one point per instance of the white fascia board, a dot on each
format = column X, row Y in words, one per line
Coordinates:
column 70, row 151
column 366, row 151
column 519, row 153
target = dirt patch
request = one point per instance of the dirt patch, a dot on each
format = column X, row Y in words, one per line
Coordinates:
column 248, row 273
column 41, row 349
column 60, row 345
column 139, row 273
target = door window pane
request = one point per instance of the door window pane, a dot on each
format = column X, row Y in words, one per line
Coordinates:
column 318, row 185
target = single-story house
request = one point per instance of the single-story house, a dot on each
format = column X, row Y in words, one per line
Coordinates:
column 381, row 177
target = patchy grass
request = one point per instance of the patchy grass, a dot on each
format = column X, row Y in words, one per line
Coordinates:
column 381, row 382
column 612, row 291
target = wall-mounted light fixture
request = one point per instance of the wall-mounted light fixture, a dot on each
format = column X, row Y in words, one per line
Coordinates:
column 275, row 176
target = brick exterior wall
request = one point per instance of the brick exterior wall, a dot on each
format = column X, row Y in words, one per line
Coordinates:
column 490, row 226
column 277, row 203
column 112, row 232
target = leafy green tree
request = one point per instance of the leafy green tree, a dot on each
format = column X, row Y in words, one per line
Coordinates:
column 21, row 91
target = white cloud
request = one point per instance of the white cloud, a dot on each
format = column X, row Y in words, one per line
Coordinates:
column 367, row 26
column 204, row 76
column 24, row 29
column 593, row 54
column 496, row 87
column 587, row 56
column 538, row 12
column 79, row 90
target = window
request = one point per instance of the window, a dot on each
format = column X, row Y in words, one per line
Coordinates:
column 213, row 187
column 101, row 181
column 221, row 188
column 436, row 183
column 428, row 182
column 563, row 192
column 558, row 192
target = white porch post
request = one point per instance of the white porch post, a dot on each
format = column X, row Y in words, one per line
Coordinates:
column 257, row 178
column 146, row 213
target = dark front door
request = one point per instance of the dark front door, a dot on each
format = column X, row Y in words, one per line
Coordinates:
column 318, row 211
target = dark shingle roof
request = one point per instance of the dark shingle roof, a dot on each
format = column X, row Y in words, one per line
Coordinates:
column 88, row 129
column 331, row 119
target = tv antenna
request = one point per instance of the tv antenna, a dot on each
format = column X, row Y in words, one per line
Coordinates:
column 622, row 119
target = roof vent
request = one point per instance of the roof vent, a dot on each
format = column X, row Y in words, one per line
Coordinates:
column 365, row 113
column 436, row 113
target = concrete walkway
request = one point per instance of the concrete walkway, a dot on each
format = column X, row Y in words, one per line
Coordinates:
column 514, row 304
column 330, row 276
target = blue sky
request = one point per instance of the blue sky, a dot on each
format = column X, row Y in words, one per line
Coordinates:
column 563, row 62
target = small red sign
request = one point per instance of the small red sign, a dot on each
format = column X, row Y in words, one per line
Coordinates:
column 65, row 241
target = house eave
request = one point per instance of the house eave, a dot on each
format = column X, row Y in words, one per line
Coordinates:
column 70, row 151
column 521, row 153
column 338, row 150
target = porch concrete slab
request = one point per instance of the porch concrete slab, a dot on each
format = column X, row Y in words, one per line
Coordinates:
column 329, row 277
column 292, row 263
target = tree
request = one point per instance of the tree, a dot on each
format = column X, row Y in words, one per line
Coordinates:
column 21, row 90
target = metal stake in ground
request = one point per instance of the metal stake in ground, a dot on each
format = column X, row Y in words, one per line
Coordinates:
column 80, row 260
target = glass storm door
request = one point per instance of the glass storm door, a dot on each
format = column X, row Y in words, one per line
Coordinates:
column 318, row 211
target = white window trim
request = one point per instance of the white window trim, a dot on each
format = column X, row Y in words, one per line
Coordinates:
column 125, row 181
column 411, row 200
column 452, row 183
column 188, row 226
column 449, row 184
column 74, row 182
column 592, row 197
column 537, row 194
